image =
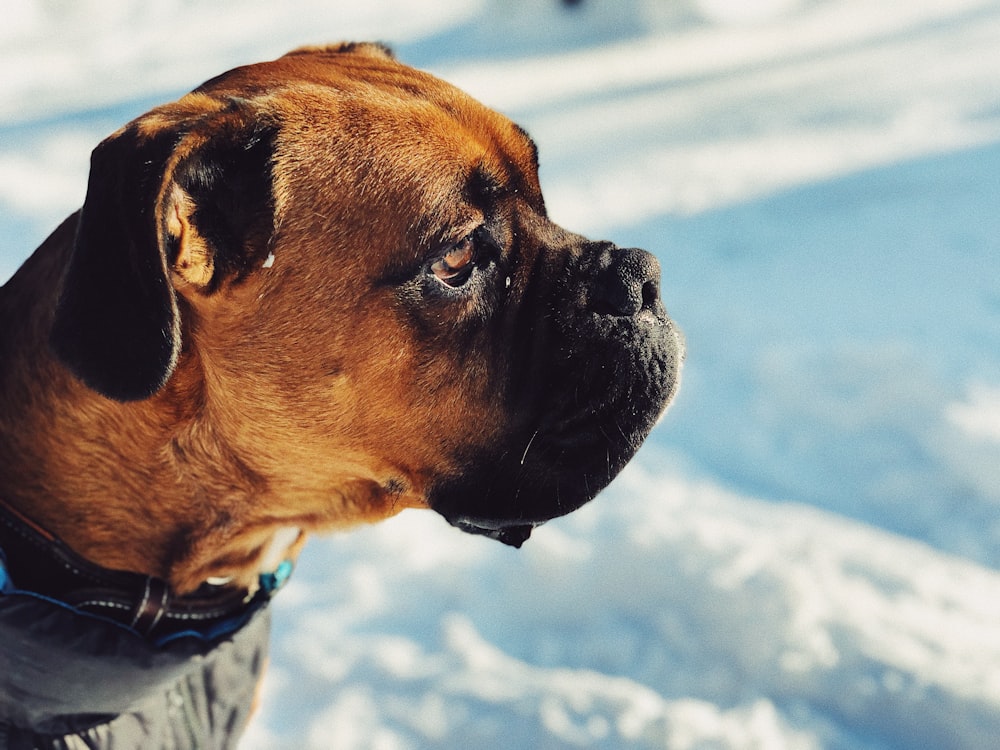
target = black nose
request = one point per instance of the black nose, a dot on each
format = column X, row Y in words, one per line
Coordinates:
column 628, row 283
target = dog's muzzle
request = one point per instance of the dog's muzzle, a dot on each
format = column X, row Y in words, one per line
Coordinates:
column 588, row 385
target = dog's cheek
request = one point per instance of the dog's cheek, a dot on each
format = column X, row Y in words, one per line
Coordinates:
column 354, row 380
column 451, row 397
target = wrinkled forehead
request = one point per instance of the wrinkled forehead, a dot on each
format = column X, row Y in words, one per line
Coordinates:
column 371, row 120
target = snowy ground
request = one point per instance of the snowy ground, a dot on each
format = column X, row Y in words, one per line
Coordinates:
column 807, row 552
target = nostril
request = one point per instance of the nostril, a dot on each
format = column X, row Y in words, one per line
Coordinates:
column 628, row 284
column 650, row 294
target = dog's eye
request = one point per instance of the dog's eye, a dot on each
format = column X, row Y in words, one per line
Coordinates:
column 456, row 265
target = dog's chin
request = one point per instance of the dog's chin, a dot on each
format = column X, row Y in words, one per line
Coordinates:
column 513, row 501
column 505, row 495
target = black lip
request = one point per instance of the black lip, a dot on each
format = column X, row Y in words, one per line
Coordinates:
column 513, row 535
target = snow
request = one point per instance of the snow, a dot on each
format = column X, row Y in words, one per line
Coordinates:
column 806, row 553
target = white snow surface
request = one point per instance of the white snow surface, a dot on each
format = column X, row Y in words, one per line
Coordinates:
column 805, row 554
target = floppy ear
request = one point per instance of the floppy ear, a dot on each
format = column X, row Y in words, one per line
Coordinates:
column 153, row 210
column 116, row 324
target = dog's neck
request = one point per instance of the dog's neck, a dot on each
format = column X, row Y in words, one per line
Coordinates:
column 148, row 486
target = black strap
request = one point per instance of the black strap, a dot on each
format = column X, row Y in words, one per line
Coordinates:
column 39, row 563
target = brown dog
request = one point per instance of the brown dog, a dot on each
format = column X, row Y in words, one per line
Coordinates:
column 309, row 294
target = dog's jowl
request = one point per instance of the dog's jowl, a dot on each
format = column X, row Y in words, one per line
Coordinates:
column 307, row 295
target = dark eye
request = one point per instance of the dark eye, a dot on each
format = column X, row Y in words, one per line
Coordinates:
column 456, row 265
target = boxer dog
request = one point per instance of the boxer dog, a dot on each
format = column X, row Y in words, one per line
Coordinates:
column 307, row 295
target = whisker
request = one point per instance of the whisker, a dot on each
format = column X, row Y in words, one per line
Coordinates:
column 528, row 446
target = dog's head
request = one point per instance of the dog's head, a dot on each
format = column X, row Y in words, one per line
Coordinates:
column 345, row 266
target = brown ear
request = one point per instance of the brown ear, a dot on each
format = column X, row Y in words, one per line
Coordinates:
column 117, row 323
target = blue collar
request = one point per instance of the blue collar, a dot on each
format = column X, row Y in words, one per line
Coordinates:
column 35, row 563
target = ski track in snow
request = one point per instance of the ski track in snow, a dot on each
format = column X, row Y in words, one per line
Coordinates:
column 805, row 555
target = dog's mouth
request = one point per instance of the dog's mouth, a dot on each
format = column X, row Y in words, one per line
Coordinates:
column 554, row 465
column 513, row 535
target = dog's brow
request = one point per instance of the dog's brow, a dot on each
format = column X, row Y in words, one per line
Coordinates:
column 484, row 184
